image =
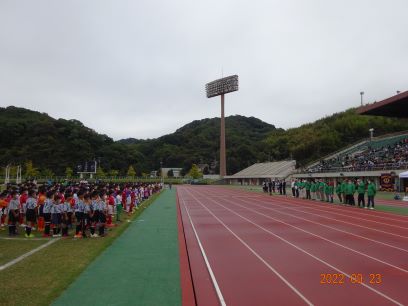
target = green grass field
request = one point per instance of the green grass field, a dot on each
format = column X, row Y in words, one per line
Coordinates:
column 40, row 278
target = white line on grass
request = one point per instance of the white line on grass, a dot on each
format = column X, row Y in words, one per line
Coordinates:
column 20, row 258
column 217, row 288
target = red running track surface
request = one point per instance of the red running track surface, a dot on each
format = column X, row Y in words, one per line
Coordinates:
column 255, row 249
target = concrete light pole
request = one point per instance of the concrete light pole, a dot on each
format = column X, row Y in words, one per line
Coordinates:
column 219, row 88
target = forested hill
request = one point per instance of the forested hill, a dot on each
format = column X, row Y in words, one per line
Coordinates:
column 198, row 142
column 55, row 144
column 313, row 141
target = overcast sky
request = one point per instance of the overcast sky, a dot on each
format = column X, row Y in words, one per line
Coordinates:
column 138, row 68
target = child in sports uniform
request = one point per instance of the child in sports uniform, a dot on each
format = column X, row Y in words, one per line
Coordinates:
column 40, row 204
column 49, row 202
column 87, row 215
column 13, row 213
column 3, row 210
column 102, row 208
column 65, row 208
column 94, row 213
column 23, row 198
column 31, row 205
column 111, row 208
column 79, row 215
column 56, row 216
column 118, row 204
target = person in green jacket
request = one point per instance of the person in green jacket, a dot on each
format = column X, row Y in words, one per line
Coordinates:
column 322, row 188
column 343, row 190
column 313, row 190
column 308, row 186
column 350, row 190
column 339, row 191
column 328, row 191
column 371, row 191
column 360, row 192
column 331, row 192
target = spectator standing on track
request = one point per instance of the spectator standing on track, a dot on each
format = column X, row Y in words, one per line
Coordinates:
column 339, row 191
column 321, row 189
column 297, row 183
column 350, row 190
column 371, row 191
column 331, row 191
column 264, row 186
column 270, row 186
column 343, row 190
column 307, row 188
column 284, row 187
column 360, row 192
column 302, row 191
column 313, row 190
column 292, row 185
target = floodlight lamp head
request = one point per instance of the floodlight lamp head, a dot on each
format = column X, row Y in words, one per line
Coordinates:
column 222, row 86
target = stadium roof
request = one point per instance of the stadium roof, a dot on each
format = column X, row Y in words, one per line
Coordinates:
column 279, row 169
column 395, row 106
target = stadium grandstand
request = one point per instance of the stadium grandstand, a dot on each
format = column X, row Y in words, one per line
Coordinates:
column 257, row 173
column 381, row 153
column 371, row 158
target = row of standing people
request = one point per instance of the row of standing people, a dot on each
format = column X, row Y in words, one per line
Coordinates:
column 56, row 208
column 325, row 190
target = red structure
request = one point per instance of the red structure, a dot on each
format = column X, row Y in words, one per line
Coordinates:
column 219, row 88
column 395, row 106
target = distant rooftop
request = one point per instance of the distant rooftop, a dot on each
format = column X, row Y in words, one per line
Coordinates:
column 279, row 169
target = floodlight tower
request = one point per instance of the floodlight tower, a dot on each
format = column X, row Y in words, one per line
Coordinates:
column 221, row 87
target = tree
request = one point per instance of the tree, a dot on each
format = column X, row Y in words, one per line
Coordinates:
column 100, row 173
column 195, row 172
column 113, row 173
column 30, row 170
column 170, row 173
column 68, row 172
column 47, row 173
column 131, row 171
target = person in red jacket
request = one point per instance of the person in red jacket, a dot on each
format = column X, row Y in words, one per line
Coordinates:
column 111, row 208
column 23, row 200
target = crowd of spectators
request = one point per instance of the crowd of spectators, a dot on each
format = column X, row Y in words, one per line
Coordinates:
column 383, row 158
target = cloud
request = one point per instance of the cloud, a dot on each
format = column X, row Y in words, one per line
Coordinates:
column 138, row 68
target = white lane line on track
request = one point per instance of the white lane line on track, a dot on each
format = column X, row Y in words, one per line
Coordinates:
column 297, row 208
column 327, row 226
column 338, row 210
column 213, row 279
column 256, row 254
column 20, row 258
column 352, row 217
column 311, row 255
column 320, row 237
column 375, row 213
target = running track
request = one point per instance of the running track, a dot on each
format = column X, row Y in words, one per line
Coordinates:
column 254, row 249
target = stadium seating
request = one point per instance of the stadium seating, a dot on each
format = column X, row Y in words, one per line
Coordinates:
column 379, row 154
